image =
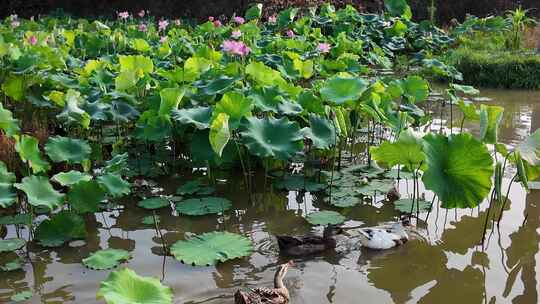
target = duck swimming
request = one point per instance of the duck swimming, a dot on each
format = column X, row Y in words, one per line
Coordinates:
column 384, row 237
column 308, row 244
column 277, row 295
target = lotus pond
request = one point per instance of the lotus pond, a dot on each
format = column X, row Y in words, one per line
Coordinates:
column 148, row 160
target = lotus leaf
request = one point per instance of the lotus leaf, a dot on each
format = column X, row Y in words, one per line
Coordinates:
column 85, row 196
column 151, row 220
column 124, row 286
column 236, row 106
column 267, row 99
column 117, row 164
column 73, row 114
column 325, row 218
column 490, row 119
column 270, row 137
column 344, row 199
column 299, row 183
column 7, row 123
column 40, row 192
column 203, row 205
column 106, row 259
column 28, row 149
column 530, row 148
column 321, row 132
column 200, row 117
column 6, row 176
column 211, row 248
column 12, row 265
column 264, row 75
column 406, row 205
column 138, row 64
column 288, row 107
column 7, row 245
column 380, row 186
column 154, row 203
column 70, row 150
column 8, row 196
column 195, row 187
column 17, row 219
column 398, row 8
column 22, row 296
column 219, row 133
column 254, row 12
column 407, row 151
column 70, row 178
column 469, row 90
column 416, row 89
column 459, row 169
column 340, row 90
column 14, row 87
column 61, row 228
column 115, row 185
column 170, row 99
column 215, row 86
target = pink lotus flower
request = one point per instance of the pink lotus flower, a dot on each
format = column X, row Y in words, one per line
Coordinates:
column 177, row 22
column 163, row 39
column 142, row 13
column 239, row 20
column 272, row 19
column 217, row 23
column 143, row 28
column 211, row 18
column 15, row 23
column 324, row 48
column 32, row 40
column 123, row 15
column 162, row 25
column 236, row 34
column 235, row 48
column 290, row 33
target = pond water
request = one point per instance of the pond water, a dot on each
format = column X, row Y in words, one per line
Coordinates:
column 444, row 263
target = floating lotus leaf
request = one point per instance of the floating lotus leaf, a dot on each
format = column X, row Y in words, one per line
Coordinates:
column 12, row 265
column 203, row 205
column 40, row 192
column 7, row 245
column 8, row 195
column 394, row 174
column 270, row 137
column 28, row 149
column 325, row 218
column 321, row 132
column 407, row 151
column 340, row 90
column 195, row 187
column 343, row 199
column 124, row 286
column 211, row 248
column 530, row 148
column 106, row 259
column 365, row 170
column 61, row 228
column 299, row 183
column 406, row 205
column 70, row 150
column 154, row 203
column 151, row 220
column 17, row 219
column 459, row 169
column 85, row 196
column 70, row 178
column 7, row 123
column 379, row 186
column 115, row 185
column 200, row 117
column 22, row 296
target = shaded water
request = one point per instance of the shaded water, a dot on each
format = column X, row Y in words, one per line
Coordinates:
column 444, row 264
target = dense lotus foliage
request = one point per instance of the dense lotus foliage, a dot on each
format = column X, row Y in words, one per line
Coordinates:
column 138, row 96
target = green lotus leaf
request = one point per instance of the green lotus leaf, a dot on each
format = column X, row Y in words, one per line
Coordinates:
column 17, row 219
column 465, row 89
column 70, row 150
column 154, row 203
column 288, row 107
column 469, row 110
column 201, row 149
column 6, row 176
column 125, row 80
column 398, row 8
column 215, row 86
column 115, row 185
column 379, row 186
column 117, row 164
column 85, row 196
column 14, row 87
column 219, row 133
column 270, row 137
column 203, row 205
column 70, row 178
column 140, row 45
column 236, row 106
column 211, row 248
column 195, row 187
column 369, row 171
column 416, row 89
column 106, row 259
column 170, row 99
column 311, row 103
column 28, row 149
column 299, row 183
column 344, row 200
column 407, row 151
column 200, row 117
column 7, row 123
column 490, row 119
column 12, row 265
column 285, row 17
column 140, row 65
column 459, row 169
column 8, row 195
column 321, row 132
column 394, row 174
column 406, row 205
column 254, row 12
column 325, row 218
column 61, row 228
column 21, row 296
column 152, row 127
column 267, row 99
column 124, row 286
column 530, row 149
column 340, row 90
column 73, row 114
column 151, row 220
column 8, row 245
column 264, row 75
column 40, row 192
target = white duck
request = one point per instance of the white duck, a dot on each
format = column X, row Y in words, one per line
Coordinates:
column 383, row 237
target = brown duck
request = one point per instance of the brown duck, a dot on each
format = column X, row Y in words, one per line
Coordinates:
column 308, row 244
column 277, row 295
